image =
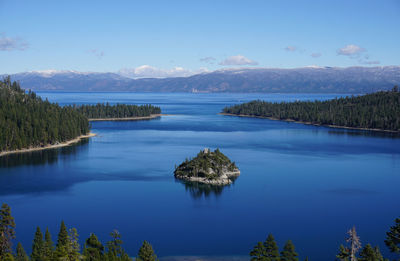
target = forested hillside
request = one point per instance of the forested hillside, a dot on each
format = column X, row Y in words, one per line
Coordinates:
column 380, row 110
column 117, row 111
column 28, row 121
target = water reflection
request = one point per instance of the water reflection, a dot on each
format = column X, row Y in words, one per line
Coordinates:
column 49, row 156
column 198, row 190
column 366, row 133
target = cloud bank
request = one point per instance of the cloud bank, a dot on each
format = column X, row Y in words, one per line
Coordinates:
column 147, row 71
column 238, row 60
column 12, row 43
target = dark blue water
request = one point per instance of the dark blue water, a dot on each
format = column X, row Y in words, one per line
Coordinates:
column 305, row 183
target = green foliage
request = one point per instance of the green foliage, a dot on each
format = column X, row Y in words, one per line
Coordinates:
column 62, row 242
column 28, row 121
column 7, row 231
column 393, row 237
column 38, row 246
column 146, row 253
column 73, row 247
column 117, row 111
column 289, row 253
column 204, row 161
column 21, row 254
column 93, row 250
column 344, row 254
column 258, row 253
column 379, row 110
column 370, row 254
column 271, row 249
column 48, row 248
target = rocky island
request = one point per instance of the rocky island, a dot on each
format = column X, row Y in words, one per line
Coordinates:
column 208, row 167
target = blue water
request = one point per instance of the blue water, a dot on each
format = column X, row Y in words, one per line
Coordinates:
column 305, row 183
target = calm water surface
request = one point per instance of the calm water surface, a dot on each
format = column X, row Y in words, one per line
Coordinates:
column 305, row 183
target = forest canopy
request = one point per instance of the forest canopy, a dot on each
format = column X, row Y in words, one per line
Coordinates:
column 117, row 111
column 28, row 121
column 380, row 110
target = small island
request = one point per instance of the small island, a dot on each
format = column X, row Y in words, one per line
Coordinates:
column 208, row 167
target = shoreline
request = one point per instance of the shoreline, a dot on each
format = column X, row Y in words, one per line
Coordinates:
column 309, row 123
column 54, row 146
column 152, row 116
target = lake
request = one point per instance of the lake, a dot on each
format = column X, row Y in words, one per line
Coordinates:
column 305, row 183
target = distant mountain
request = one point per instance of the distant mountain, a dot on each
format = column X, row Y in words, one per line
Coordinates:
column 300, row 80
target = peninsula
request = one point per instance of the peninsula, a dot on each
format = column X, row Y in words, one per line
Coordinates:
column 378, row 111
column 119, row 112
column 208, row 167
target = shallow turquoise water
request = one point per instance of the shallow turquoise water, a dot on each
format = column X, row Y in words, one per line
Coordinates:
column 305, row 183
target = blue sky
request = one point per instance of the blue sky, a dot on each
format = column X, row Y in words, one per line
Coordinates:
column 184, row 37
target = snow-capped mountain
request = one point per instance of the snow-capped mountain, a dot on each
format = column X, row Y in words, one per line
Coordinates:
column 311, row 79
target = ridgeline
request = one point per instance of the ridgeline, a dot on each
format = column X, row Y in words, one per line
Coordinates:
column 375, row 111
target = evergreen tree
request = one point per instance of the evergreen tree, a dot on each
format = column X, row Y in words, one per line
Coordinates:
column 7, row 257
column 62, row 242
column 344, row 254
column 289, row 253
column 258, row 253
column 7, row 231
column 370, row 254
column 48, row 246
column 114, row 246
column 38, row 246
column 146, row 253
column 21, row 254
column 93, row 248
column 73, row 248
column 393, row 237
column 271, row 249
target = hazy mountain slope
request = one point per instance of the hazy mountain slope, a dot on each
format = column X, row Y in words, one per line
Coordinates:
column 303, row 80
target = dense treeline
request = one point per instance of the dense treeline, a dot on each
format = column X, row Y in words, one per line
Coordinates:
column 380, row 110
column 28, row 121
column 67, row 246
column 117, row 111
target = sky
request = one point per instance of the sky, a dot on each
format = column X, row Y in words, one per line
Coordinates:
column 178, row 38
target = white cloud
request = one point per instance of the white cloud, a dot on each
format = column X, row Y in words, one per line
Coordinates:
column 12, row 43
column 147, row 71
column 290, row 48
column 351, row 50
column 238, row 60
column 316, row 55
column 99, row 54
column 208, row 59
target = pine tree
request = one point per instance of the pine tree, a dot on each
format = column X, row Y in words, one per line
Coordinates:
column 258, row 253
column 37, row 246
column 370, row 254
column 115, row 245
column 271, row 249
column 355, row 243
column 344, row 254
column 289, row 253
column 146, row 253
column 62, row 242
column 93, row 248
column 21, row 254
column 48, row 246
column 7, row 230
column 393, row 237
column 73, row 245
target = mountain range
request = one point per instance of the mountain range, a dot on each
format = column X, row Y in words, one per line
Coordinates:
column 263, row 80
